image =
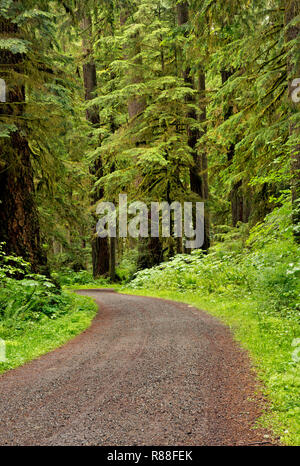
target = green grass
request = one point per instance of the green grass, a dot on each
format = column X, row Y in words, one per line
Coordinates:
column 32, row 339
column 268, row 340
column 90, row 286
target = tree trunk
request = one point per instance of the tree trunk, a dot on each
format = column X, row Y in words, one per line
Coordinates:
column 150, row 249
column 292, row 9
column 198, row 173
column 202, row 159
column 112, row 262
column 240, row 211
column 100, row 247
column 136, row 104
column 19, row 221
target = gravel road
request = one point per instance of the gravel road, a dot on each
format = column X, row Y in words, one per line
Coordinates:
column 147, row 372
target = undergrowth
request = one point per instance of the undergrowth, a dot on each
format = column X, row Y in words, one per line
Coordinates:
column 35, row 315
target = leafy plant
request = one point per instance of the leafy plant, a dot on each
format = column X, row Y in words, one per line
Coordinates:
column 267, row 269
column 25, row 296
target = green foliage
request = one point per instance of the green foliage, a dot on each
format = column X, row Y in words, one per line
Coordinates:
column 67, row 277
column 268, row 271
column 30, row 339
column 14, row 45
column 128, row 265
column 149, row 156
column 25, row 296
column 152, row 147
column 35, row 317
column 53, row 123
column 277, row 226
column 5, row 130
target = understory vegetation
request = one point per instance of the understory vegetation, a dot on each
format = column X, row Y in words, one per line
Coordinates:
column 35, row 316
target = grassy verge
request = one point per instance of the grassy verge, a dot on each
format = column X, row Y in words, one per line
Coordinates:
column 30, row 340
column 91, row 286
column 269, row 342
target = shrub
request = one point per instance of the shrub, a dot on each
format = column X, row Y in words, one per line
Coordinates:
column 267, row 268
column 25, row 296
column 68, row 277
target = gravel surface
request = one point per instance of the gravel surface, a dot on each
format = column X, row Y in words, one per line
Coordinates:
column 147, row 372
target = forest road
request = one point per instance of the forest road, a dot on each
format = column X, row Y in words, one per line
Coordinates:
column 147, row 372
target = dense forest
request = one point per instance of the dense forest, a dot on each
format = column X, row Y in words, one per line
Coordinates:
column 164, row 101
column 160, row 100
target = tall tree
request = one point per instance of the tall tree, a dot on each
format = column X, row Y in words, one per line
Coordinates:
column 239, row 205
column 150, row 250
column 19, row 220
column 198, row 172
column 292, row 23
column 100, row 246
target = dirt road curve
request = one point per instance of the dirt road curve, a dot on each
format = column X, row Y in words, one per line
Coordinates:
column 147, row 372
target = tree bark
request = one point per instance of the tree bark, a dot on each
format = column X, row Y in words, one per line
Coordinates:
column 202, row 159
column 240, row 211
column 100, row 246
column 19, row 220
column 150, row 249
column 136, row 104
column 292, row 9
column 112, row 262
column 199, row 170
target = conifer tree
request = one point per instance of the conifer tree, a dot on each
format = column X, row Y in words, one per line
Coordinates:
column 100, row 247
column 292, row 22
column 198, row 172
column 19, row 220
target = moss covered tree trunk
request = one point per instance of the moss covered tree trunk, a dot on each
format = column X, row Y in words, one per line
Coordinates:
column 292, row 10
column 240, row 205
column 198, row 172
column 100, row 246
column 19, row 220
column 150, row 249
column 202, row 159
